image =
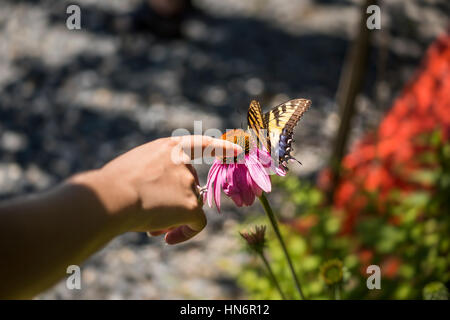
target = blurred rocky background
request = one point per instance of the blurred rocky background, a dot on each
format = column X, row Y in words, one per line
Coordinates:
column 70, row 100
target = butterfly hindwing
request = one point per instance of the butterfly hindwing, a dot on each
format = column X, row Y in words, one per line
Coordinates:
column 280, row 123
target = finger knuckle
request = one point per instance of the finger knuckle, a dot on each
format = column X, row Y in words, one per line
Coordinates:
column 190, row 179
column 172, row 141
column 192, row 203
column 208, row 139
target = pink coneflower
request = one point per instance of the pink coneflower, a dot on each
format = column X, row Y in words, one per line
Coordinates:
column 243, row 179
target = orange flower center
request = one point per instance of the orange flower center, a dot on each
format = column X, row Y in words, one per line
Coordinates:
column 239, row 137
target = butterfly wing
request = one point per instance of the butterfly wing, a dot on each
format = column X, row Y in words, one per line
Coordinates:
column 256, row 124
column 280, row 123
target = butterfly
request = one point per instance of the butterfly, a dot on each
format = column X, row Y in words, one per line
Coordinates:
column 274, row 129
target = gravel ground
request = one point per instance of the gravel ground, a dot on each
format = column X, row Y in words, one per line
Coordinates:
column 72, row 100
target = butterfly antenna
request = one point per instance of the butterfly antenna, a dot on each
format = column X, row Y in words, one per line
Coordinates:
column 292, row 158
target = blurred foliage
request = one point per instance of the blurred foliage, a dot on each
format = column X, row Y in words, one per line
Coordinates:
column 435, row 291
column 406, row 234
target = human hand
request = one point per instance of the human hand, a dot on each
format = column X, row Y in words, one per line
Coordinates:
column 153, row 187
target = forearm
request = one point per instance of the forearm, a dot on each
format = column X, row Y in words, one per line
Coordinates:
column 41, row 235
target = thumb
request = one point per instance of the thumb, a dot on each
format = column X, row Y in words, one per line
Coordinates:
column 186, row 232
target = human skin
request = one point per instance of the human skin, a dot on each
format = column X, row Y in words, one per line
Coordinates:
column 152, row 188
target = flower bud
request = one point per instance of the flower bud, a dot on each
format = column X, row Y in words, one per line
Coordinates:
column 256, row 240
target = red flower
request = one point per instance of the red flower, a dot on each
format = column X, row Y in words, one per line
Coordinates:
column 388, row 158
column 390, row 267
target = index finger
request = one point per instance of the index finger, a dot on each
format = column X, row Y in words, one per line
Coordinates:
column 195, row 146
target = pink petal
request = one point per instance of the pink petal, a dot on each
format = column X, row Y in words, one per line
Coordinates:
column 221, row 176
column 259, row 175
column 264, row 158
column 228, row 189
column 230, row 174
column 211, row 179
column 255, row 188
column 232, row 191
column 266, row 163
column 237, row 199
column 250, row 198
column 240, row 177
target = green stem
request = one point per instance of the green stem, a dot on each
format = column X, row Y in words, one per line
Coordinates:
column 337, row 292
column 272, row 275
column 274, row 223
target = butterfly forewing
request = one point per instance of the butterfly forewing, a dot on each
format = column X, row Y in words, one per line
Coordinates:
column 290, row 110
column 256, row 124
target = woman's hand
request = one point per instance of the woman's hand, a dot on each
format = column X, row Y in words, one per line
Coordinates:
column 153, row 187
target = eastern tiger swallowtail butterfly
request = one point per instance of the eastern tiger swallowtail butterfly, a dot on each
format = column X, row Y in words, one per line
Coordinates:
column 274, row 129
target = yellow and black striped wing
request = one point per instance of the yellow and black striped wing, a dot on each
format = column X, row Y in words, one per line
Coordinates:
column 280, row 123
column 286, row 115
column 256, row 123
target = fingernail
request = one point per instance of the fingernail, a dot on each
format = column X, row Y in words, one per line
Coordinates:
column 238, row 149
column 165, row 240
